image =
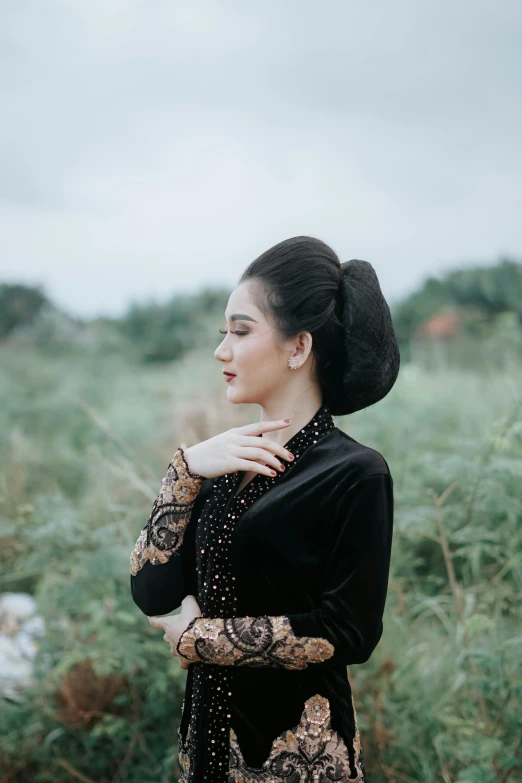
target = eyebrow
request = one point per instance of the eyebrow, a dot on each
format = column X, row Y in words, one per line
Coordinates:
column 242, row 317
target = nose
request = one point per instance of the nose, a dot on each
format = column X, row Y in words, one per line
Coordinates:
column 220, row 354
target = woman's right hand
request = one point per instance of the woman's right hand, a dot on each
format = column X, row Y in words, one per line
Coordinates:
column 240, row 448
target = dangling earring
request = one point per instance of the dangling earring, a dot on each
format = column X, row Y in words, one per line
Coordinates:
column 293, row 362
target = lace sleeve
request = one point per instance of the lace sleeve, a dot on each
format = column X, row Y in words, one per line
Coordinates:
column 163, row 533
column 267, row 641
column 346, row 625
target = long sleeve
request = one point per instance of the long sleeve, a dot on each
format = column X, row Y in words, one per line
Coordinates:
column 346, row 626
column 162, row 564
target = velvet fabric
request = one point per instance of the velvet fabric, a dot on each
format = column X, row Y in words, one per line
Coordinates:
column 313, row 546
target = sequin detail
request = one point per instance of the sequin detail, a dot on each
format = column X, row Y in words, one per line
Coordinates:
column 251, row 641
column 163, row 533
column 210, row 689
column 311, row 751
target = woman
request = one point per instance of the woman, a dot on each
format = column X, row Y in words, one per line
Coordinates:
column 275, row 537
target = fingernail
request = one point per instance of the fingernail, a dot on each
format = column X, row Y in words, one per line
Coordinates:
column 288, row 420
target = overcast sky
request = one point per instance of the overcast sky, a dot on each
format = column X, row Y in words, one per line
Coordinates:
column 151, row 147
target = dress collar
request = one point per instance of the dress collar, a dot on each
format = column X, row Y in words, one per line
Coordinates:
column 320, row 423
column 317, row 427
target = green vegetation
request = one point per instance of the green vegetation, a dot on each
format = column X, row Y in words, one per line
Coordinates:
column 90, row 415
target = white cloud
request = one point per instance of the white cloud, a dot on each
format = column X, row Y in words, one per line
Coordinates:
column 154, row 147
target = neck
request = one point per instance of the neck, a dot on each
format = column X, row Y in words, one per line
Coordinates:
column 300, row 412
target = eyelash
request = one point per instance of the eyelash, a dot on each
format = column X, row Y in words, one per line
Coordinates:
column 225, row 331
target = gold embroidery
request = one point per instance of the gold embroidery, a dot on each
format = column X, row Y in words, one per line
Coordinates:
column 251, row 641
column 310, row 751
column 183, row 756
column 357, row 738
column 163, row 533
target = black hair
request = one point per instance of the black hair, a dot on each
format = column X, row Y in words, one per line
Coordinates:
column 303, row 286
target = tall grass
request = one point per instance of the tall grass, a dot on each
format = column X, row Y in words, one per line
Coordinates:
column 84, row 445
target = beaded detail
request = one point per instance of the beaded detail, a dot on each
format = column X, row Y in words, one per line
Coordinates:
column 163, row 533
column 251, row 641
column 207, row 743
column 311, row 751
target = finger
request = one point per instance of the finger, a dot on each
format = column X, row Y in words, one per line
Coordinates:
column 252, row 466
column 182, row 661
column 262, row 457
column 192, row 602
column 269, row 445
column 157, row 622
column 263, row 426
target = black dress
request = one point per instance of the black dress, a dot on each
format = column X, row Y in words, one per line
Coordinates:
column 291, row 577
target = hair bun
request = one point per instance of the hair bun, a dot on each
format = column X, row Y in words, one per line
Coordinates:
column 302, row 285
column 371, row 357
column 346, row 294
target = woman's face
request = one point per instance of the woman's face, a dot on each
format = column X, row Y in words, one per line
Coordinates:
column 250, row 350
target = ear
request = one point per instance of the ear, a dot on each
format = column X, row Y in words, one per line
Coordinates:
column 157, row 622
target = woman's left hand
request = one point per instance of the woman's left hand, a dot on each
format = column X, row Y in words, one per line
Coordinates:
column 176, row 624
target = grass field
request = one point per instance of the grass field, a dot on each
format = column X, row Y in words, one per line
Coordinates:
column 84, row 444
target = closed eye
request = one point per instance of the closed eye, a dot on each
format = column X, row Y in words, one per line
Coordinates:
column 225, row 331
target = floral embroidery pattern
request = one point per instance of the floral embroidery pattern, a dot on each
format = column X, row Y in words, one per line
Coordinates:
column 311, row 751
column 251, row 641
column 183, row 756
column 359, row 761
column 164, row 530
column 206, row 750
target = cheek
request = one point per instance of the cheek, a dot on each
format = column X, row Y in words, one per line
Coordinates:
column 259, row 353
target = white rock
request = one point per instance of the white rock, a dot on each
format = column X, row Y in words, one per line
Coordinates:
column 22, row 605
column 19, row 626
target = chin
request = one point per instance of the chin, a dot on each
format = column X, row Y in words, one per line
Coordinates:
column 239, row 399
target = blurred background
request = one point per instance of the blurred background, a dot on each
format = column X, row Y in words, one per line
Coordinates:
column 149, row 152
